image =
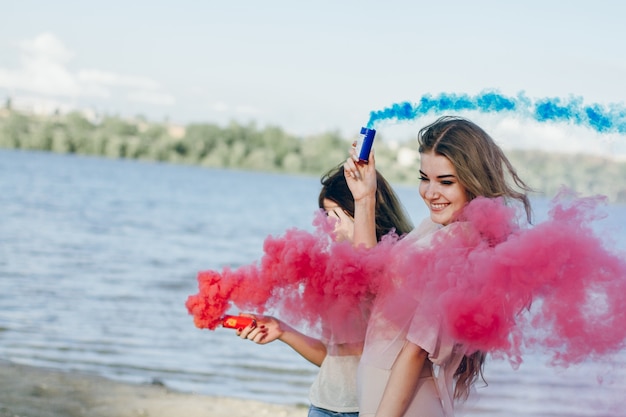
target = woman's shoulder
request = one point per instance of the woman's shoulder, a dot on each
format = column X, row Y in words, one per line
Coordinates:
column 423, row 232
column 426, row 227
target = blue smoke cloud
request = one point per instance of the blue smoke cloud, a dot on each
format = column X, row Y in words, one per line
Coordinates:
column 603, row 119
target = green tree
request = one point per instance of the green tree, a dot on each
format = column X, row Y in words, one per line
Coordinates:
column 321, row 150
column 15, row 129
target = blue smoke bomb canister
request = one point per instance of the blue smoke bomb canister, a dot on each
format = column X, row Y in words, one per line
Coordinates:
column 364, row 143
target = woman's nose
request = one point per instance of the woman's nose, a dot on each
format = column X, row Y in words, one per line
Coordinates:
column 431, row 191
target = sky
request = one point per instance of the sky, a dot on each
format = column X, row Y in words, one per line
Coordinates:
column 314, row 67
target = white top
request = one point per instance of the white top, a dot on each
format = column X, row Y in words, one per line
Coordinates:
column 335, row 386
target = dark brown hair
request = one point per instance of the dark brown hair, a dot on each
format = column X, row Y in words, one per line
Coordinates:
column 390, row 214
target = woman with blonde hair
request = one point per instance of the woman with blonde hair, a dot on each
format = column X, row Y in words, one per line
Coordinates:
column 409, row 367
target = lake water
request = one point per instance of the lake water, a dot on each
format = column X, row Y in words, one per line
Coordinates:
column 97, row 258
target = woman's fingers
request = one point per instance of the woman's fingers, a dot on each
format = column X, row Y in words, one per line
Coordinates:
column 353, row 152
column 253, row 333
column 351, row 168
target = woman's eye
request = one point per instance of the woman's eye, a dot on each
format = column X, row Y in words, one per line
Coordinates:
column 422, row 178
column 331, row 213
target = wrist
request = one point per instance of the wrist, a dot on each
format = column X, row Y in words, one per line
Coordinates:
column 367, row 200
column 365, row 207
column 283, row 330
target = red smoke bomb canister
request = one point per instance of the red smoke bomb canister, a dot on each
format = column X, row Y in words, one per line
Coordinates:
column 237, row 322
column 364, row 143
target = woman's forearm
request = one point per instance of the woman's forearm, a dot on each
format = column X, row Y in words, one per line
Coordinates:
column 309, row 348
column 365, row 222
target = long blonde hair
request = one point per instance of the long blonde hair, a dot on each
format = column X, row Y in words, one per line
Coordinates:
column 483, row 170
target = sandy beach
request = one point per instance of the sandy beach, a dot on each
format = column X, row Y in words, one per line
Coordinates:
column 39, row 392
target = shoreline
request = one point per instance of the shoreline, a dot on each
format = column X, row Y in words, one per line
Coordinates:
column 30, row 391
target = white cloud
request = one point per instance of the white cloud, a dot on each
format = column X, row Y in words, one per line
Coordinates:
column 151, row 97
column 46, row 46
column 112, row 79
column 553, row 137
column 220, row 107
column 246, row 110
column 44, row 70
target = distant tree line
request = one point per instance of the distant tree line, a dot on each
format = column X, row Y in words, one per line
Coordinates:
column 247, row 147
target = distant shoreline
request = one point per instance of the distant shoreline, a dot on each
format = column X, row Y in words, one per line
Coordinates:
column 271, row 149
column 28, row 391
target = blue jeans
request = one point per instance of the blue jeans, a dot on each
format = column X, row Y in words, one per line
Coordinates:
column 320, row 412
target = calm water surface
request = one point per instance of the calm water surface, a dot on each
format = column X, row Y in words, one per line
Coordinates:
column 97, row 258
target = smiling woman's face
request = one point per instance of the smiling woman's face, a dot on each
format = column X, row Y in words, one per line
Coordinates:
column 344, row 224
column 440, row 188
